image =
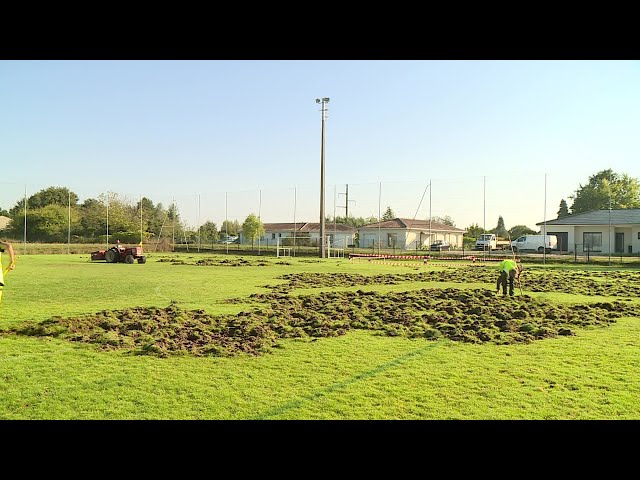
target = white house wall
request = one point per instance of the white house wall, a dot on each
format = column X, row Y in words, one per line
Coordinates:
column 569, row 229
column 422, row 240
column 608, row 237
column 635, row 238
column 341, row 239
column 628, row 238
column 411, row 239
column 406, row 238
column 369, row 237
column 575, row 236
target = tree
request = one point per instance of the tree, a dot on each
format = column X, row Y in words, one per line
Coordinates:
column 446, row 220
column 500, row 229
column 564, row 210
column 474, row 230
column 92, row 218
column 252, row 228
column 124, row 218
column 356, row 222
column 122, row 215
column 388, row 214
column 606, row 188
column 209, row 232
column 49, row 196
column 4, row 213
column 230, row 227
column 520, row 230
column 153, row 216
column 172, row 223
column 46, row 224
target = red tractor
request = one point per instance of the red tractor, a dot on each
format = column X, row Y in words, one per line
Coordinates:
column 120, row 253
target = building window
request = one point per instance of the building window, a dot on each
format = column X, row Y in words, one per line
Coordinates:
column 273, row 236
column 592, row 242
column 392, row 240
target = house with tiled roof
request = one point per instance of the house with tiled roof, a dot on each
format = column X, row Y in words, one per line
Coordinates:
column 408, row 234
column 599, row 231
column 307, row 234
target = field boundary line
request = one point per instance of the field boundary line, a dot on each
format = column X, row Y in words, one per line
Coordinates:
column 345, row 383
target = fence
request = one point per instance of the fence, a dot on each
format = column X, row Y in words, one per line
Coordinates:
column 601, row 256
column 184, row 220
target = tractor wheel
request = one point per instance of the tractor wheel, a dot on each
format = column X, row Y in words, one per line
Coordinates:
column 111, row 256
column 142, row 260
column 129, row 259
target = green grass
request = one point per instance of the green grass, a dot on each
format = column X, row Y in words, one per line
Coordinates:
column 593, row 375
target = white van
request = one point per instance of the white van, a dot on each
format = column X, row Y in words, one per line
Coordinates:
column 538, row 243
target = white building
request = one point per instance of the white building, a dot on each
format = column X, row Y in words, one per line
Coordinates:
column 307, row 234
column 407, row 234
column 599, row 231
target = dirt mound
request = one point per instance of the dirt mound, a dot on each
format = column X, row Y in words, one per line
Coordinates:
column 574, row 282
column 323, row 280
column 463, row 315
column 223, row 262
column 173, row 261
column 475, row 316
column 160, row 331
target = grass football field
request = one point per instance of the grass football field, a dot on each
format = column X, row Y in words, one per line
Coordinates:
column 594, row 373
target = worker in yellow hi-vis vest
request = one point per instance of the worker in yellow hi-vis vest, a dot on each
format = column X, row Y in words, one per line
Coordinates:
column 12, row 264
column 508, row 269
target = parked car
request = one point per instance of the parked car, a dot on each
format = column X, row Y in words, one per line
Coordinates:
column 440, row 246
column 538, row 243
column 230, row 239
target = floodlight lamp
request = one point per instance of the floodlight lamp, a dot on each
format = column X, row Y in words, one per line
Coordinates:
column 317, row 100
column 326, row 99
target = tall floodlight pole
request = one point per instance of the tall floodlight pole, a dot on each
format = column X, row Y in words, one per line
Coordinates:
column 609, row 223
column 226, row 220
column 141, row 235
column 295, row 224
column 484, row 204
column 484, row 210
column 25, row 219
column 346, row 203
column 335, row 196
column 69, row 226
column 324, row 102
column 199, row 233
column 379, row 213
column 430, row 241
column 173, row 224
column 259, row 219
column 544, row 233
column 107, row 220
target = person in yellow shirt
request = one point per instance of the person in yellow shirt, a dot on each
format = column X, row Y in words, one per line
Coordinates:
column 11, row 266
column 509, row 269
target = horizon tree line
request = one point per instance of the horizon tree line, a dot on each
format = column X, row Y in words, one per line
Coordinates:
column 51, row 211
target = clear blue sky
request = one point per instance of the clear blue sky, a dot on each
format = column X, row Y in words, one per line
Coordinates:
column 179, row 129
